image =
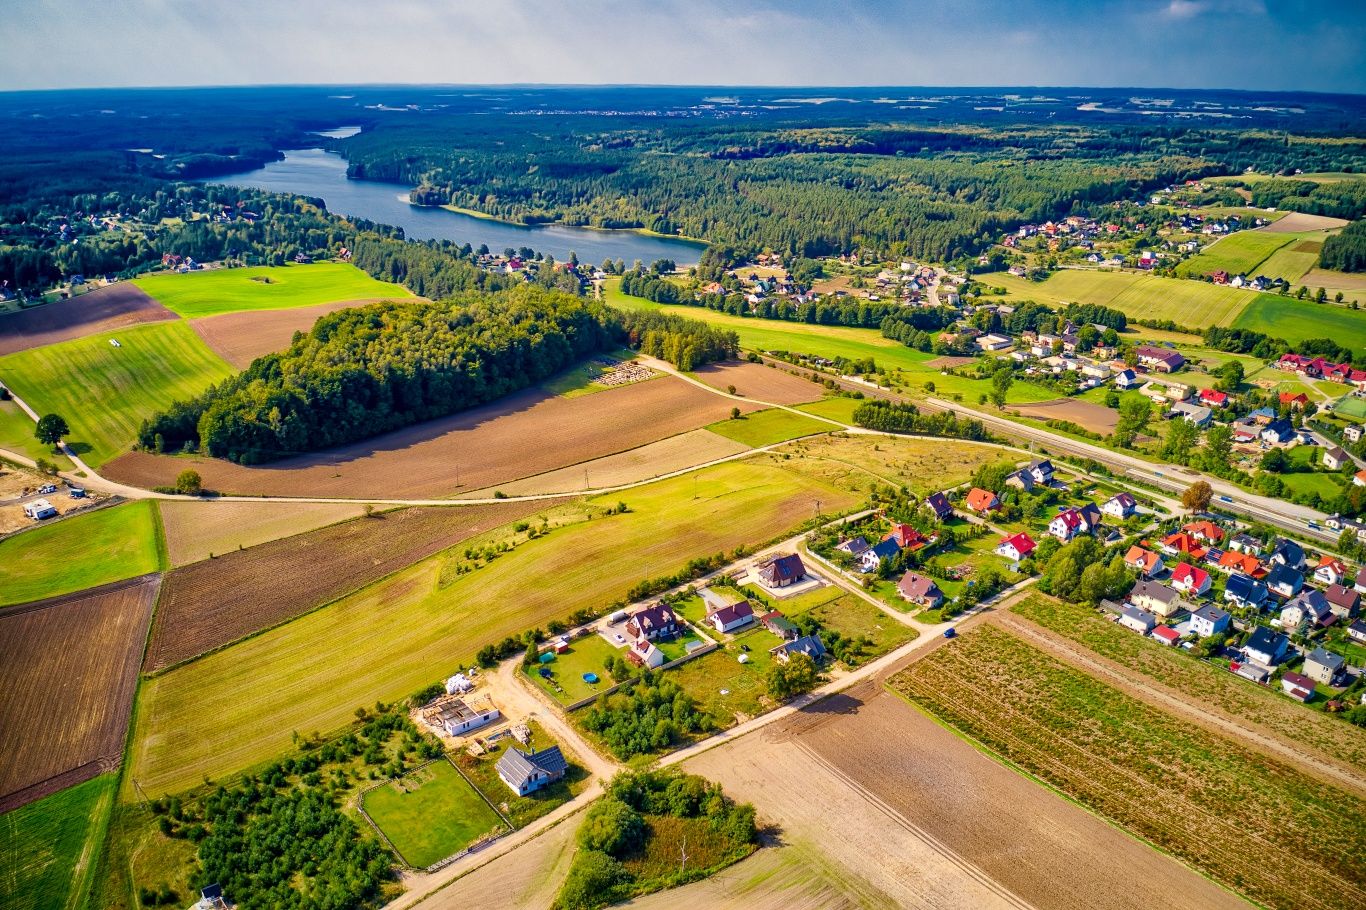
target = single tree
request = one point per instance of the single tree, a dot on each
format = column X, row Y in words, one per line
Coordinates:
column 50, row 430
column 189, row 483
column 1197, row 496
column 734, row 413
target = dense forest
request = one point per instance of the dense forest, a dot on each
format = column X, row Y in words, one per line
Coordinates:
column 364, row 371
column 1345, row 251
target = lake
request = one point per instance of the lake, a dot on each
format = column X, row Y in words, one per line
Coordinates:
column 322, row 174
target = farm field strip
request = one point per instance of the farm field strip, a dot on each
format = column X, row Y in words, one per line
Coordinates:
column 1217, row 690
column 1295, row 841
column 651, row 460
column 235, row 708
column 770, row 426
column 764, row 383
column 101, row 310
column 49, row 849
column 105, row 392
column 1298, row 320
column 1140, row 296
column 477, row 449
column 69, row 671
column 214, row 291
column 197, row 530
column 239, row 338
column 213, row 602
column 1237, row 253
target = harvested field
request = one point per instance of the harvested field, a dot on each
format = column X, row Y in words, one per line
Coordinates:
column 654, row 459
column 925, row 820
column 1292, row 841
column 198, row 530
column 754, row 380
column 920, row 463
column 101, row 310
column 68, row 668
column 1094, row 417
column 473, row 450
column 1260, row 710
column 216, row 601
column 1294, row 222
column 239, row 338
column 1330, row 279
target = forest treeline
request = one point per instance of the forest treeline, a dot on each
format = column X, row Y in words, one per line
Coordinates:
column 369, row 370
column 1346, row 250
column 927, row 192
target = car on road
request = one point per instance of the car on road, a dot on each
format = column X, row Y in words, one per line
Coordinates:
column 950, row 633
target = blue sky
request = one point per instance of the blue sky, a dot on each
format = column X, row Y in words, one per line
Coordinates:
column 1243, row 44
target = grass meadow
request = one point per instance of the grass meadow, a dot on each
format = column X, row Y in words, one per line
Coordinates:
column 235, row 708
column 1237, row 254
column 767, row 427
column 49, row 848
column 1296, row 320
column 105, row 392
column 72, row 554
column 430, row 813
column 1140, row 296
column 216, row 291
column 16, row 435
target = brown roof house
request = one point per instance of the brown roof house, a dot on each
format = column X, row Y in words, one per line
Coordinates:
column 781, row 570
column 653, row 622
column 920, row 590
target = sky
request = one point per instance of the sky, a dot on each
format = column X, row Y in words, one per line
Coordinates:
column 1237, row 44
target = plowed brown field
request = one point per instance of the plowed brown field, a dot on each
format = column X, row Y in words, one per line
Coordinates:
column 68, row 671
column 239, row 338
column 214, row 602
column 754, row 380
column 212, row 527
column 525, row 434
column 111, row 307
column 1094, row 417
column 910, row 815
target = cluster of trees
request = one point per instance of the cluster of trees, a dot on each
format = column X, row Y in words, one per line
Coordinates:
column 651, row 287
column 686, row 343
column 899, row 417
column 1265, row 347
column 1337, row 199
column 1346, row 250
column 1080, row 571
column 365, row 371
column 651, row 716
column 617, row 828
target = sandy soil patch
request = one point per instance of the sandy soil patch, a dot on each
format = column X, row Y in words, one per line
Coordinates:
column 101, row 310
column 754, row 380
column 216, row 601
column 1324, row 278
column 1094, row 417
column 239, row 338
column 1295, row 222
column 527, row 877
column 197, row 530
column 937, row 823
column 525, row 434
column 944, row 363
column 676, row 453
column 68, row 668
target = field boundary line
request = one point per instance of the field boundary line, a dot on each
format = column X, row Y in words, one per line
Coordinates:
column 76, row 596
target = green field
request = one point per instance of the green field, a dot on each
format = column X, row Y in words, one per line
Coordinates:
column 1296, row 320
column 209, row 293
column 106, row 392
column 72, row 554
column 841, row 409
column 235, row 708
column 1139, row 296
column 48, row 849
column 1237, row 254
column 1294, row 260
column 16, row 435
column 430, row 813
column 769, row 426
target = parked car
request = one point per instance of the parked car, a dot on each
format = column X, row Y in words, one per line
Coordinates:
column 48, row 488
column 950, row 633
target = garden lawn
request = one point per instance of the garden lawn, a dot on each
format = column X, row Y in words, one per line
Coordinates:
column 233, row 709
column 1298, row 320
column 72, row 554
column 1138, row 295
column 106, row 392
column 430, row 813
column 209, row 293
column 764, row 428
column 49, row 848
column 854, row 617
column 586, row 655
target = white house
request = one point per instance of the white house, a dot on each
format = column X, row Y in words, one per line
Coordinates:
column 1140, row 621
column 454, row 715
column 1266, row 647
column 993, row 342
column 732, row 616
column 1335, row 458
column 1120, row 506
column 1016, row 547
column 1209, row 620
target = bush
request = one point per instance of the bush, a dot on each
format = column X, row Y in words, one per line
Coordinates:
column 612, row 827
